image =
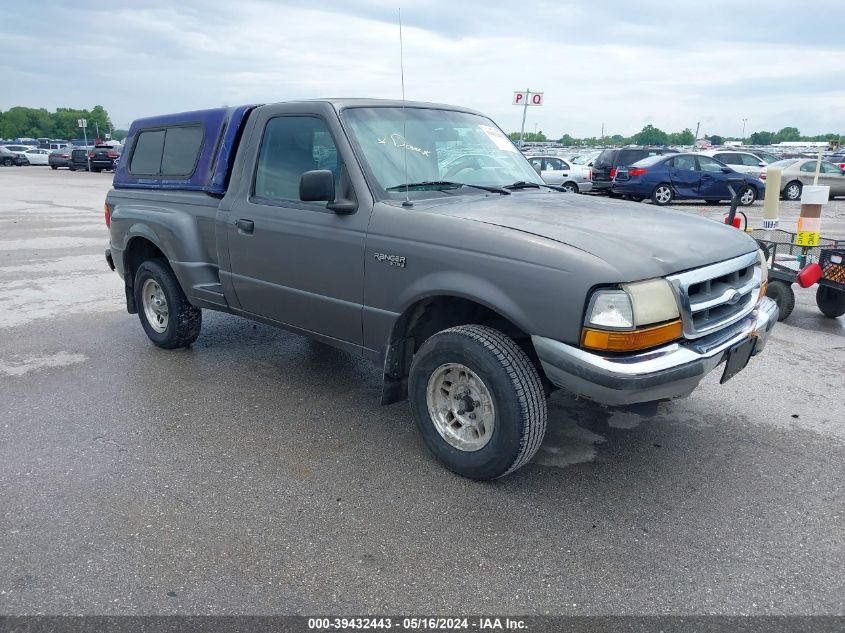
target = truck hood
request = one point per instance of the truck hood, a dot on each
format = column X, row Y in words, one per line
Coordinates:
column 638, row 240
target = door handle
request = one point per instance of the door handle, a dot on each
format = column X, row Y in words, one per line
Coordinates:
column 247, row 226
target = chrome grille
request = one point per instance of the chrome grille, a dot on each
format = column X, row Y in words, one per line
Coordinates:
column 713, row 297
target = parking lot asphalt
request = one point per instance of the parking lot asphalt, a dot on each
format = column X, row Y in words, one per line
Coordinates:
column 256, row 473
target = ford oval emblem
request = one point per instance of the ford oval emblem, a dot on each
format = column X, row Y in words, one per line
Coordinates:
column 734, row 298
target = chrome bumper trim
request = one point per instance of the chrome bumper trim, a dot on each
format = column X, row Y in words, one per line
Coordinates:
column 672, row 371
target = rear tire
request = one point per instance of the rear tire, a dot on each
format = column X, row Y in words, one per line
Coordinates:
column 54, row 167
column 570, row 187
column 167, row 317
column 7, row 162
column 831, row 301
column 478, row 401
column 782, row 294
column 662, row 194
column 792, row 191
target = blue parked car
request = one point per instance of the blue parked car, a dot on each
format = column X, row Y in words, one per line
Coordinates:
column 685, row 177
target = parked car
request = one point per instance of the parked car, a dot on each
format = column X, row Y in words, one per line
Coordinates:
column 797, row 172
column 766, row 157
column 79, row 156
column 744, row 162
column 475, row 295
column 556, row 171
column 685, row 177
column 606, row 164
column 837, row 158
column 20, row 148
column 59, row 158
column 9, row 157
column 37, row 156
column 103, row 156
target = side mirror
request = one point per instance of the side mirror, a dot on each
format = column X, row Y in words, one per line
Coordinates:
column 317, row 185
column 726, row 170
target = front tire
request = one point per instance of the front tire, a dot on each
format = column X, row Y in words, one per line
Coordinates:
column 7, row 162
column 830, row 301
column 792, row 191
column 782, row 294
column 747, row 196
column 478, row 401
column 662, row 194
column 167, row 317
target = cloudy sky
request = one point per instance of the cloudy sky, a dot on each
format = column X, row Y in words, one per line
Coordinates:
column 624, row 64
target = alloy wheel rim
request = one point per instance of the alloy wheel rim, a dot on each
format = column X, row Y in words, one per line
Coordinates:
column 461, row 407
column 663, row 194
column 155, row 305
column 747, row 197
column 793, row 192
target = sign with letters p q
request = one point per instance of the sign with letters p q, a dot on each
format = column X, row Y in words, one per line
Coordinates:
column 528, row 98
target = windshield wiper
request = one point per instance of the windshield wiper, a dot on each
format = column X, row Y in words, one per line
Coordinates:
column 523, row 184
column 446, row 184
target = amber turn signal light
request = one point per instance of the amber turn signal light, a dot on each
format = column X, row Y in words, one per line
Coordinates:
column 631, row 341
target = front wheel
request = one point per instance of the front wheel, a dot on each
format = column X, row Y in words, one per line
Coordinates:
column 167, row 317
column 478, row 401
column 792, row 191
column 747, row 196
column 7, row 162
column 662, row 195
column 830, row 301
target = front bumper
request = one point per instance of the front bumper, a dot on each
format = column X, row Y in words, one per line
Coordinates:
column 672, row 371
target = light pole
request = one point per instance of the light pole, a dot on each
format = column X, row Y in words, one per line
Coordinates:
column 743, row 131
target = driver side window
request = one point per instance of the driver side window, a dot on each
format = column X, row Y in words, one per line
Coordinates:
column 708, row 164
column 291, row 146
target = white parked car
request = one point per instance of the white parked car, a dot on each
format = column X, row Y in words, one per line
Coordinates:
column 556, row 171
column 37, row 156
column 744, row 162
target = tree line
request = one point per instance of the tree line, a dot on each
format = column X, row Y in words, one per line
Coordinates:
column 21, row 122
column 651, row 135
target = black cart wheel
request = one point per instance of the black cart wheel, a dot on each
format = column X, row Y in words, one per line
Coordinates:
column 781, row 293
column 830, row 301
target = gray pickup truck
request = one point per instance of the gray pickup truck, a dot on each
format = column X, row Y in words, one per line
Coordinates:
column 417, row 235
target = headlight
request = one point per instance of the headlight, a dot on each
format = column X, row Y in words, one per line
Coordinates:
column 637, row 316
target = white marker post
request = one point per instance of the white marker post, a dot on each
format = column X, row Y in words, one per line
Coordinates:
column 83, row 123
column 526, row 99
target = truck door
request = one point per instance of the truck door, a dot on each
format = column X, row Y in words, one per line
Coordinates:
column 296, row 262
column 684, row 176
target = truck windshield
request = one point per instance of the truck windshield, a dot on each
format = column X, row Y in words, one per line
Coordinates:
column 440, row 146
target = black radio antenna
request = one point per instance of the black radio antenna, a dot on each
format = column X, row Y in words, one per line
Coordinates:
column 407, row 202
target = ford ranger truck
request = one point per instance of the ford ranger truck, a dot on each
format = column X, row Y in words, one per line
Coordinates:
column 421, row 238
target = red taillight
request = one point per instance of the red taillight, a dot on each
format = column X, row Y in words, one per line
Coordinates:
column 112, row 154
column 809, row 275
column 90, row 154
column 107, row 213
column 590, row 175
column 65, row 155
column 637, row 171
column 612, row 173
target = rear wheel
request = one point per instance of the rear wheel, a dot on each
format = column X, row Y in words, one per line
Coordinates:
column 782, row 294
column 831, row 301
column 569, row 187
column 7, row 162
column 54, row 166
column 478, row 401
column 792, row 191
column 662, row 194
column 167, row 317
